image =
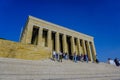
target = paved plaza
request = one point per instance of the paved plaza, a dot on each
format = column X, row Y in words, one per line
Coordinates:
column 16, row 69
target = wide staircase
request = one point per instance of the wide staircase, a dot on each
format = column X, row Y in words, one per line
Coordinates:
column 18, row 69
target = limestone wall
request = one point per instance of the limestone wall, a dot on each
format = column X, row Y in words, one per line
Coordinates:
column 11, row 49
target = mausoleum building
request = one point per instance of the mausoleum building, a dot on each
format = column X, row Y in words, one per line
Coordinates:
column 57, row 38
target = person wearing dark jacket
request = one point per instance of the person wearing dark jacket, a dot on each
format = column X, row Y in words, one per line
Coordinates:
column 116, row 62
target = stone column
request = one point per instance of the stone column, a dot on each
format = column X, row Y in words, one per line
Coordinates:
column 72, row 45
column 83, row 45
column 23, row 36
column 64, row 43
column 29, row 31
column 49, row 42
column 57, row 42
column 89, row 51
column 93, row 50
column 40, row 37
column 78, row 45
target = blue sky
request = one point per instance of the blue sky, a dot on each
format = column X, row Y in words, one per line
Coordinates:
column 98, row 18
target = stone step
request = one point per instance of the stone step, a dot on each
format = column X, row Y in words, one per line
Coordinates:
column 58, row 77
column 17, row 69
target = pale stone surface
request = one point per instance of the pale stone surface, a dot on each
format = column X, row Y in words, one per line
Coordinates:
column 10, row 49
column 16, row 69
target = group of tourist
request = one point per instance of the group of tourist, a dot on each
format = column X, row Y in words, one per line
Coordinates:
column 76, row 57
column 59, row 56
column 82, row 58
column 114, row 62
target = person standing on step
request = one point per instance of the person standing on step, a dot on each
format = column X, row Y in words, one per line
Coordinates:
column 75, row 57
column 57, row 56
column 54, row 55
column 116, row 62
column 60, row 56
column 82, row 58
column 86, row 58
column 66, row 56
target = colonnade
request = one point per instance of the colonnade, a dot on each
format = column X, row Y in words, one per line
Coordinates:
column 76, row 44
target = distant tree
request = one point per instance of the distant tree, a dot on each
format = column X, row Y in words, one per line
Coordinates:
column 3, row 38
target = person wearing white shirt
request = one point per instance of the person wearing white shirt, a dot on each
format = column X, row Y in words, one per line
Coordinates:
column 54, row 55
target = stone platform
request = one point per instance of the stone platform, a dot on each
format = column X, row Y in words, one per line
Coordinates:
column 16, row 69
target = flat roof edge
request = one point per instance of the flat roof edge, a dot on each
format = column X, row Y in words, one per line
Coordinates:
column 32, row 17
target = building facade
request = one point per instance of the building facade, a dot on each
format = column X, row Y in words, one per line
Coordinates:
column 57, row 38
